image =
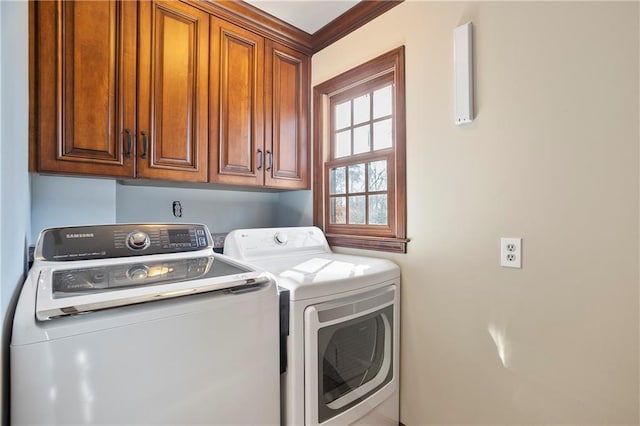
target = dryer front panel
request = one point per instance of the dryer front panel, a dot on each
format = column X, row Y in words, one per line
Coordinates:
column 350, row 347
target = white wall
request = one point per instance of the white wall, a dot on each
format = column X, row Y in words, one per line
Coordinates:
column 64, row 201
column 552, row 157
column 14, row 216
column 3, row 334
column 67, row 201
column 295, row 208
column 14, row 179
column 221, row 210
column 1, row 139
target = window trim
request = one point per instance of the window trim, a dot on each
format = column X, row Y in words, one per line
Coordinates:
column 392, row 238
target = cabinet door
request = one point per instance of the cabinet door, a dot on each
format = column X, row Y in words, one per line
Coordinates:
column 286, row 129
column 237, row 109
column 86, row 87
column 173, row 89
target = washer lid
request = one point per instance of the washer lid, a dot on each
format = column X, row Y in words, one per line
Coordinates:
column 325, row 274
column 95, row 285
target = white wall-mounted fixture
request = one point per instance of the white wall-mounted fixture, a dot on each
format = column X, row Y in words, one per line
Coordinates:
column 463, row 73
column 511, row 252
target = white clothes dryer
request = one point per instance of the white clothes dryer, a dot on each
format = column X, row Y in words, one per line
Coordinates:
column 342, row 349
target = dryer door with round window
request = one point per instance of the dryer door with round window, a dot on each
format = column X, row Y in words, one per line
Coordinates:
column 349, row 366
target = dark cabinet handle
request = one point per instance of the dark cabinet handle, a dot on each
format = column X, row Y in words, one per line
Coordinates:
column 260, row 159
column 145, row 144
column 270, row 160
column 128, row 133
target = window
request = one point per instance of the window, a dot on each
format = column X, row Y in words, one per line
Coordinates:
column 359, row 176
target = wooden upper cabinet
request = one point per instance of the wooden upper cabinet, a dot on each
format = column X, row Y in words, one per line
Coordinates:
column 259, row 110
column 86, row 87
column 173, row 57
column 236, row 125
column 286, row 133
column 162, row 89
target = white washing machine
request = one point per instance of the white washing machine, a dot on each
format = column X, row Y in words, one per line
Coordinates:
column 342, row 349
column 143, row 324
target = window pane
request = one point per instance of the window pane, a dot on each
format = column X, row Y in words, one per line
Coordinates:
column 382, row 135
column 382, row 102
column 343, row 115
column 337, row 181
column 361, row 109
column 361, row 139
column 378, row 176
column 343, row 144
column 356, row 178
column 357, row 210
column 378, row 209
column 338, row 209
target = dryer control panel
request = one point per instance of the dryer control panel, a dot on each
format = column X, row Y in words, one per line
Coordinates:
column 120, row 240
column 258, row 243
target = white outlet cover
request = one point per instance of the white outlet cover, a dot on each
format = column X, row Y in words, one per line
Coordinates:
column 511, row 252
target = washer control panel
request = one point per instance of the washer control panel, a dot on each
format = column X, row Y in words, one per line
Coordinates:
column 109, row 241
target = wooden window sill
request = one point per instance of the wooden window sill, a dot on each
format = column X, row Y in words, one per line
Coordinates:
column 387, row 244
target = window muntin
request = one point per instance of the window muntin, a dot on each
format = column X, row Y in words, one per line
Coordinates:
column 359, row 118
column 359, row 194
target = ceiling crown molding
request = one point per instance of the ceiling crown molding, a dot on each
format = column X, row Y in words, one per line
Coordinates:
column 243, row 14
column 351, row 20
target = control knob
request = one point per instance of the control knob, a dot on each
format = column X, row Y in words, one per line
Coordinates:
column 138, row 240
column 281, row 238
column 138, row 272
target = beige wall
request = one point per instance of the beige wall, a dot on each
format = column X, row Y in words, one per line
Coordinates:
column 552, row 157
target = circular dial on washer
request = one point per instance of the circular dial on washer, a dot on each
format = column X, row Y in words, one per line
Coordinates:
column 138, row 272
column 138, row 240
column 281, row 238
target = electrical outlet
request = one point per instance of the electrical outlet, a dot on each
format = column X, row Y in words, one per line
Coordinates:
column 511, row 252
column 177, row 209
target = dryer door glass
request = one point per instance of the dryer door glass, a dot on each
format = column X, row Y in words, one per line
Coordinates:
column 354, row 360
